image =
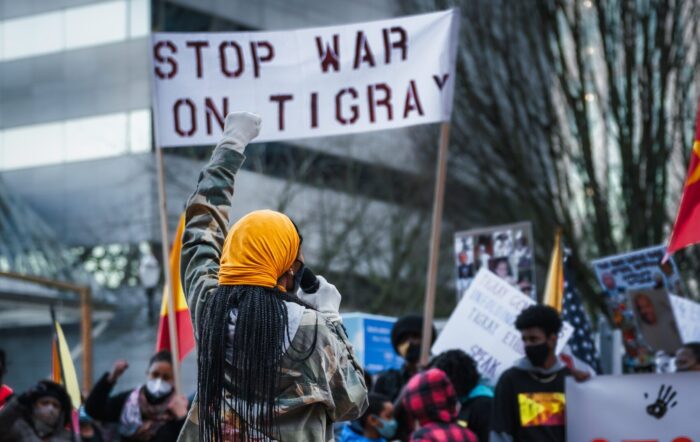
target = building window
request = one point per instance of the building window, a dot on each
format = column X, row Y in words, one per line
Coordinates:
column 75, row 140
column 73, row 28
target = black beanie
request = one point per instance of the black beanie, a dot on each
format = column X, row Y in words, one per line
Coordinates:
column 409, row 324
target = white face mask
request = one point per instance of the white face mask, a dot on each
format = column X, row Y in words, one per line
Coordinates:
column 158, row 388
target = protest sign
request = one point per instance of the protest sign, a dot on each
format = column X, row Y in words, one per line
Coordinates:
column 505, row 250
column 639, row 408
column 639, row 269
column 636, row 270
column 655, row 319
column 482, row 325
column 687, row 314
column 371, row 338
column 308, row 82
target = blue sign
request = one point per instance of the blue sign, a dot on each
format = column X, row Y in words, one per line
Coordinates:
column 379, row 353
column 371, row 338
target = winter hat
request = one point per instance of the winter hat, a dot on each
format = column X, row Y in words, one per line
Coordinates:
column 408, row 325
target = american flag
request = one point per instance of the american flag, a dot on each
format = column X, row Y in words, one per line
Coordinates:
column 581, row 342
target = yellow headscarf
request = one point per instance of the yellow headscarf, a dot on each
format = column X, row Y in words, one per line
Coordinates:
column 258, row 249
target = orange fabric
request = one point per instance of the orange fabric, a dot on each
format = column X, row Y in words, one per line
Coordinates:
column 258, row 249
column 183, row 321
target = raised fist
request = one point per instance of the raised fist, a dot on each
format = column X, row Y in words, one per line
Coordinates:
column 118, row 369
column 239, row 130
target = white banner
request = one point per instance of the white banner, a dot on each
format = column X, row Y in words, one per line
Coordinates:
column 482, row 325
column 308, row 82
column 687, row 317
column 634, row 408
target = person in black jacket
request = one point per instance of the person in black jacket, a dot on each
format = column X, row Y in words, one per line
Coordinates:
column 529, row 403
column 476, row 399
column 406, row 338
column 150, row 412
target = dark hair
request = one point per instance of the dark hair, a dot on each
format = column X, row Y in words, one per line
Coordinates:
column 161, row 356
column 376, row 405
column 3, row 364
column 540, row 316
column 411, row 324
column 460, row 368
column 251, row 374
column 694, row 347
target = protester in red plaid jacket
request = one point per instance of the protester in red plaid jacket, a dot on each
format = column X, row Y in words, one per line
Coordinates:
column 430, row 399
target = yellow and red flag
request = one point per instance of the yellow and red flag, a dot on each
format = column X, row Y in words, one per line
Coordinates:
column 183, row 321
column 686, row 230
column 62, row 368
column 554, row 291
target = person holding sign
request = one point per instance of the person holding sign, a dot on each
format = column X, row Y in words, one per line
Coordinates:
column 274, row 363
column 529, row 402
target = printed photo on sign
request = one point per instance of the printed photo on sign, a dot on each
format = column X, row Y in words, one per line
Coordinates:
column 505, row 250
column 655, row 319
column 619, row 274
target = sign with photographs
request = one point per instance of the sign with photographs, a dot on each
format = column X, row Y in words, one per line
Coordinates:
column 655, row 319
column 636, row 270
column 639, row 269
column 482, row 325
column 639, row 408
column 505, row 250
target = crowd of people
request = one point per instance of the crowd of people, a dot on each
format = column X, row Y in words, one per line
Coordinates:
column 447, row 400
column 275, row 362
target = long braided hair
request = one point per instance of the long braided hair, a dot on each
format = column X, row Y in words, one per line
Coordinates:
column 251, row 376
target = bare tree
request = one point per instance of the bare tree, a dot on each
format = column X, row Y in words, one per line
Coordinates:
column 573, row 113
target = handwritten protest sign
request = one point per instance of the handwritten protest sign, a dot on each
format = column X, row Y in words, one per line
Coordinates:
column 643, row 407
column 308, row 82
column 639, row 269
column 482, row 325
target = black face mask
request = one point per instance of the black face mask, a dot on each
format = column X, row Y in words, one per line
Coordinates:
column 537, row 354
column 412, row 353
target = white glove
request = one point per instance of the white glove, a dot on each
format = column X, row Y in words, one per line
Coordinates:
column 239, row 130
column 326, row 300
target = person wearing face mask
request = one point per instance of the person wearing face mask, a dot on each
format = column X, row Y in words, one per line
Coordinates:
column 430, row 399
column 41, row 414
column 274, row 362
column 406, row 340
column 535, row 382
column 377, row 424
column 688, row 357
column 149, row 412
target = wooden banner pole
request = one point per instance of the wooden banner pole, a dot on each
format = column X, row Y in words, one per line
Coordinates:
column 168, row 286
column 431, row 281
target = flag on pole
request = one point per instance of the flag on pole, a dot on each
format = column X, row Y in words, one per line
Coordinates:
column 686, row 230
column 554, row 290
column 581, row 342
column 63, row 370
column 183, row 321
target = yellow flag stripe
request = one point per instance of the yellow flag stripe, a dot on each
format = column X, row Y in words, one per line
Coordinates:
column 554, row 290
column 174, row 262
column 70, row 378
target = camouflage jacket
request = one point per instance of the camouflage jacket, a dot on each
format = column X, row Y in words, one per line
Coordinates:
column 327, row 387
